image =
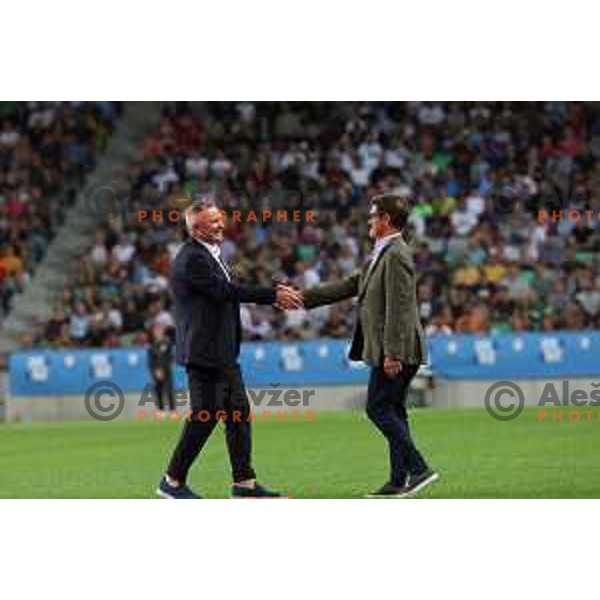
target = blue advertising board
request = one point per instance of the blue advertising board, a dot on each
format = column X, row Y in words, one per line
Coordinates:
column 319, row 362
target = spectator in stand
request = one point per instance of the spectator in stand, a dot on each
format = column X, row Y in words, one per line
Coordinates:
column 80, row 324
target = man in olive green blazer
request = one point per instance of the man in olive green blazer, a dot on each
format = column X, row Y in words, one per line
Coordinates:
column 388, row 336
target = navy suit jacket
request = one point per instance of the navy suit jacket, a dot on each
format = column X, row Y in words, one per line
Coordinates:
column 207, row 308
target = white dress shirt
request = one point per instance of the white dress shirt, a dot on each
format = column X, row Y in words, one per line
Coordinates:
column 215, row 251
column 380, row 244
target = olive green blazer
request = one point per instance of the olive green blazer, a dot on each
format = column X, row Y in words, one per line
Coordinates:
column 388, row 320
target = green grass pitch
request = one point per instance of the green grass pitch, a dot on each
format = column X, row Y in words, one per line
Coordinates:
column 339, row 455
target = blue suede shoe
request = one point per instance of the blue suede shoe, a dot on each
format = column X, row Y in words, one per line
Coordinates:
column 172, row 492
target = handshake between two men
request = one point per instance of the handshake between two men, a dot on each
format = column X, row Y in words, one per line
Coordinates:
column 288, row 297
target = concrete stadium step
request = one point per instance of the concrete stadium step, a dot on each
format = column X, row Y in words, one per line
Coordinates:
column 55, row 271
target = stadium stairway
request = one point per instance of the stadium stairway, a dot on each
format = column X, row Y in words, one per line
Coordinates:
column 107, row 180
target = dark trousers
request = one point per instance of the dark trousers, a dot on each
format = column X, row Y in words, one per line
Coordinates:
column 386, row 408
column 162, row 386
column 220, row 394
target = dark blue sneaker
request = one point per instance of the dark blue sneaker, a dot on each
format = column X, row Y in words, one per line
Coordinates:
column 416, row 483
column 258, row 491
column 172, row 492
column 388, row 491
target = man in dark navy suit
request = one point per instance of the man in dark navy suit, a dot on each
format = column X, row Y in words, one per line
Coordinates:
column 207, row 310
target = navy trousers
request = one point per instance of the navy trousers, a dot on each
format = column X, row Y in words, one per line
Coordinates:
column 386, row 408
column 220, row 395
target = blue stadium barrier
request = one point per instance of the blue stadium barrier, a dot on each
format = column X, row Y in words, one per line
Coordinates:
column 65, row 372
column 315, row 363
column 516, row 356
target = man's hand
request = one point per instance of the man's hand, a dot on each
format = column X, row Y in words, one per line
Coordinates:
column 288, row 298
column 392, row 366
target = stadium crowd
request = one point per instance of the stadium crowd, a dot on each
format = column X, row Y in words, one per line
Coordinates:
column 46, row 148
column 478, row 172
